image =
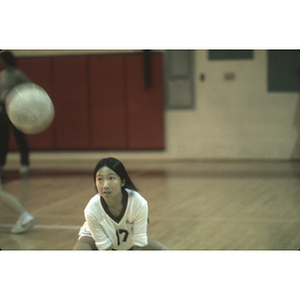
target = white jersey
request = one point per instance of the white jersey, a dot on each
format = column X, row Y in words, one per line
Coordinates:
column 120, row 233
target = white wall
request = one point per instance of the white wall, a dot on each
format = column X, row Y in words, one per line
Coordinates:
column 236, row 119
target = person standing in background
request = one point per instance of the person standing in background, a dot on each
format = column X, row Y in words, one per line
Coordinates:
column 9, row 78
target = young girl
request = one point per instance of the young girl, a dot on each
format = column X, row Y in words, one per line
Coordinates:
column 117, row 216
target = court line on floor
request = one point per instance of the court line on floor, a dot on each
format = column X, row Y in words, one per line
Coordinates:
column 47, row 226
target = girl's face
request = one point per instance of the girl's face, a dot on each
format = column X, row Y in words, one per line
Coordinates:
column 109, row 184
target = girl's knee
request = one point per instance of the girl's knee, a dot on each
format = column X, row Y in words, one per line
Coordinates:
column 85, row 243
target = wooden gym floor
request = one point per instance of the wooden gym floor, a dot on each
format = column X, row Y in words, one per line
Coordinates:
column 193, row 205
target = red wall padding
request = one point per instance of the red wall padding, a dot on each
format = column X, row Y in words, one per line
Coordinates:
column 108, row 103
column 145, row 106
column 100, row 102
column 70, row 97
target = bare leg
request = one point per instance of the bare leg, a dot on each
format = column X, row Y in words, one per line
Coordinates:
column 85, row 243
column 25, row 221
column 12, row 202
column 88, row 243
column 155, row 245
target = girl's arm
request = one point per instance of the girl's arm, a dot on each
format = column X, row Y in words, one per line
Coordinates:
column 139, row 238
column 101, row 239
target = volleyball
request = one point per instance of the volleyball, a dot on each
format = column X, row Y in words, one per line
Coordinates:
column 29, row 108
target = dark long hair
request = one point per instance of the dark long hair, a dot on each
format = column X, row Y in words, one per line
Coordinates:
column 115, row 165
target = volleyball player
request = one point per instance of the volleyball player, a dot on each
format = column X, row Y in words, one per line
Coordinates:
column 117, row 216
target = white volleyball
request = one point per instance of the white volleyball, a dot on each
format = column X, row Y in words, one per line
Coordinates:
column 30, row 108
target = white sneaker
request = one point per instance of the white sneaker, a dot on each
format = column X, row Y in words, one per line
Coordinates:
column 24, row 170
column 23, row 224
